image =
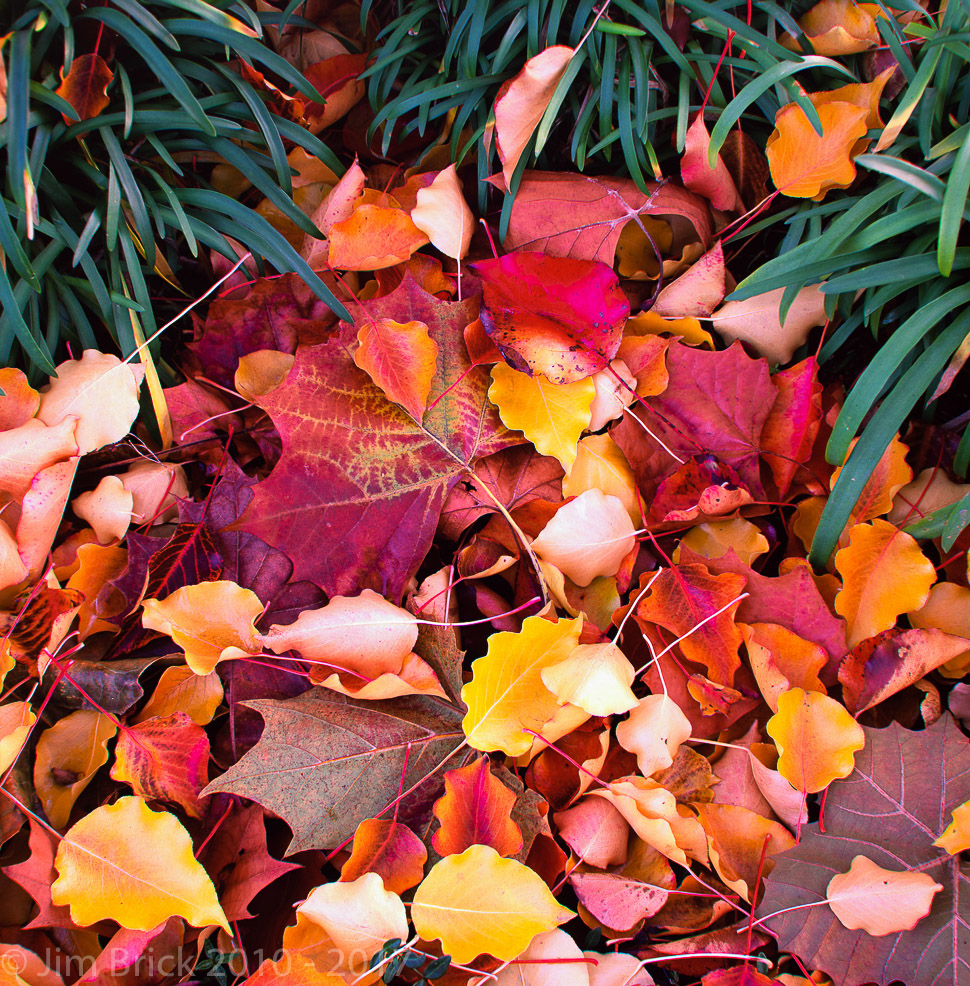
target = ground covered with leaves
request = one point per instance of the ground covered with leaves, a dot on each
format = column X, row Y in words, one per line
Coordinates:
column 468, row 634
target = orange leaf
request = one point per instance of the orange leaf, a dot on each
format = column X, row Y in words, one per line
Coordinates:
column 816, row 737
column 85, row 85
column 181, row 690
column 374, row 237
column 880, row 901
column 103, row 875
column 781, row 659
column 391, row 850
column 522, row 101
column 806, row 165
column 715, row 184
column 884, row 574
column 956, row 836
column 841, row 27
column 164, row 759
column 476, row 809
column 16, row 719
column 401, row 358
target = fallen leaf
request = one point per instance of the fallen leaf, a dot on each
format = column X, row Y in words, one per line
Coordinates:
column 816, row 737
column 107, row 508
column 878, row 900
column 478, row 902
column 841, row 27
column 391, row 850
column 16, row 720
column 600, row 464
column 85, row 85
column 442, row 214
column 956, row 836
column 551, row 959
column 714, row 183
column 654, row 731
column 595, row 677
column 595, row 831
column 103, row 876
column 373, row 237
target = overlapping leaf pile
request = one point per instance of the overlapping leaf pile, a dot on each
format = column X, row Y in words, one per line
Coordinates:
column 489, row 610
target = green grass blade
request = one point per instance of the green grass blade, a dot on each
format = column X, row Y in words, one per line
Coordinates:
column 954, row 202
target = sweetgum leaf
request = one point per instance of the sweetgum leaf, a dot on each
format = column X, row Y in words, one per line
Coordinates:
column 324, row 764
column 356, row 496
column 890, row 809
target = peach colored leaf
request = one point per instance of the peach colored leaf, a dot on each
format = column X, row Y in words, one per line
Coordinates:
column 104, row 876
column 442, row 214
column 30, row 448
column 551, row 415
column 364, row 633
column 552, row 959
column 373, row 237
column 340, row 201
column 506, row 695
column 929, row 491
column 401, row 358
column 595, row 677
column 781, row 659
column 164, row 759
column 880, row 901
column 478, row 902
column 654, row 731
column 806, row 165
column 956, row 836
column 756, row 321
column 715, row 184
column 67, row 757
column 155, row 488
column 615, row 392
column 476, row 809
column 884, row 574
column 211, row 622
column 522, row 100
column 588, row 536
column 85, row 85
column 20, row 400
column 600, row 464
column 696, row 292
column 617, row 969
column 817, row 739
column 391, row 850
column 16, row 719
column 12, row 567
column 41, row 512
column 181, row 690
column 415, row 677
column 101, row 391
column 595, row 831
column 107, row 508
column 359, row 916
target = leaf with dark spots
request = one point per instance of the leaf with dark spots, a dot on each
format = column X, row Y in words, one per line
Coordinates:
column 556, row 316
column 107, row 686
column 324, row 764
column 357, row 494
column 890, row 809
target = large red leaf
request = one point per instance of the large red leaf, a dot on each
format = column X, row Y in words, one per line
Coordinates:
column 890, row 809
column 556, row 316
column 356, row 496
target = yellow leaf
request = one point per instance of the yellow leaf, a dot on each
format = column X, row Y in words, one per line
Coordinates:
column 595, row 677
column 401, row 358
column 109, row 868
column 442, row 214
column 817, row 739
column 956, row 836
column 211, row 622
column 506, row 695
column 16, row 718
column 715, row 538
column 477, row 902
column 880, row 901
column 359, row 916
column 261, row 372
column 181, row 690
column 587, row 537
column 884, row 574
column 805, row 165
column 600, row 464
column 551, row 415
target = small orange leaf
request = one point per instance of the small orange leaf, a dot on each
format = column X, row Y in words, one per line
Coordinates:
column 374, row 237
column 880, row 901
column 476, row 809
column 181, row 690
column 401, row 358
column 956, row 836
column 806, row 165
column 391, row 850
column 817, row 739
column 85, row 85
column 103, row 874
column 841, row 27
column 884, row 574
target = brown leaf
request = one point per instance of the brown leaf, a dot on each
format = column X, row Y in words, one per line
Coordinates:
column 84, row 86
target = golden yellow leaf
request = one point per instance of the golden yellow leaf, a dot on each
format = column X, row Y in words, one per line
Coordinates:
column 841, row 27
column 211, row 622
column 947, row 609
column 817, row 739
column 716, row 538
column 109, row 868
column 600, row 464
column 16, row 718
column 506, row 695
column 551, row 415
column 884, row 574
column 181, row 690
column 587, row 537
column 956, row 836
column 261, row 372
column 880, row 901
column 780, row 659
column 477, row 902
column 805, row 165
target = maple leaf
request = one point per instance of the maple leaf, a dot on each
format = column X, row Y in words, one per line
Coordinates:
column 890, row 809
column 324, row 764
column 368, row 488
